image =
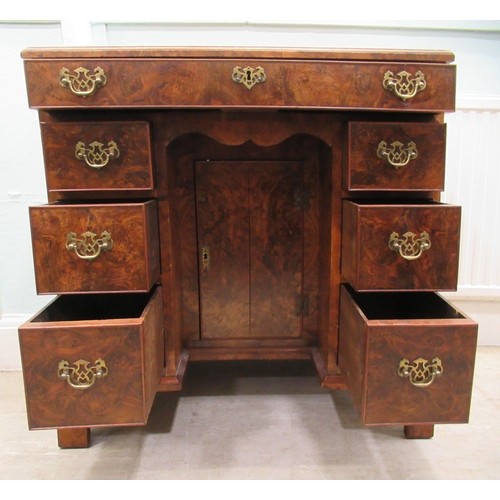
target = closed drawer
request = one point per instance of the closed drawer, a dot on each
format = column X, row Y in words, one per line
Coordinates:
column 95, row 247
column 400, row 246
column 406, row 358
column 370, row 85
column 93, row 360
column 97, row 156
column 394, row 156
column 154, row 83
column 161, row 83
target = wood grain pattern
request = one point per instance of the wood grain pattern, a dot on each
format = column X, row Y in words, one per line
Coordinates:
column 132, row 170
column 406, row 326
column 223, row 222
column 128, row 342
column 250, row 224
column 369, row 264
column 207, row 83
column 364, row 170
column 278, row 200
column 131, row 265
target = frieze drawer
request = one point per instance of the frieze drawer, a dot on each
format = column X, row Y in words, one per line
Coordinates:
column 93, row 360
column 406, row 358
column 259, row 83
column 95, row 247
column 400, row 246
column 97, row 156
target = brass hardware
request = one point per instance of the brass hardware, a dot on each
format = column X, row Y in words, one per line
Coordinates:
column 96, row 155
column 305, row 305
column 396, row 155
column 81, row 375
column 410, row 247
column 89, row 247
column 404, row 86
column 301, row 304
column 81, row 82
column 421, row 373
column 205, row 258
column 298, row 304
column 249, row 76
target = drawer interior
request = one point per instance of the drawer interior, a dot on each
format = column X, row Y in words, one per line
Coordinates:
column 94, row 307
column 402, row 305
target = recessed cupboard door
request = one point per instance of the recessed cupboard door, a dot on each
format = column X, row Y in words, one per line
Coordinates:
column 250, row 228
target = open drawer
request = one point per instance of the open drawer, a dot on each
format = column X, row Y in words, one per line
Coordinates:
column 407, row 358
column 93, row 360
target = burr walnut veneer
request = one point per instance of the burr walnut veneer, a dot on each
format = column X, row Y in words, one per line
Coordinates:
column 242, row 204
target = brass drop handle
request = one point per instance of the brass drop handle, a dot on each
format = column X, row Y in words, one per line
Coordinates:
column 82, row 82
column 88, row 247
column 409, row 246
column 249, row 76
column 81, row 375
column 96, row 155
column 420, row 373
column 404, row 86
column 397, row 155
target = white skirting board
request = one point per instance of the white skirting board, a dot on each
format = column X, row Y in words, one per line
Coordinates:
column 10, row 357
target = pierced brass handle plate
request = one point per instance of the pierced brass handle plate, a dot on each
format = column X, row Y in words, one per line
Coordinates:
column 420, row 373
column 249, row 76
column 88, row 247
column 397, row 155
column 96, row 155
column 81, row 375
column 403, row 85
column 82, row 83
column 409, row 246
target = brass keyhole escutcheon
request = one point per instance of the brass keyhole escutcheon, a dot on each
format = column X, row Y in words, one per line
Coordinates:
column 205, row 258
column 249, row 76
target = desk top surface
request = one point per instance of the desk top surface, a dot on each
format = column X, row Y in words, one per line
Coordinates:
column 428, row 56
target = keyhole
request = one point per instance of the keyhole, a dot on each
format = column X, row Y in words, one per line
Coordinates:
column 205, row 257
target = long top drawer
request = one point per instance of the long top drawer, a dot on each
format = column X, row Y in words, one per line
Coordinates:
column 82, row 78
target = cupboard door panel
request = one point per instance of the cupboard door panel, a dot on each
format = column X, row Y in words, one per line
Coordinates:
column 250, row 248
column 223, row 243
column 276, row 248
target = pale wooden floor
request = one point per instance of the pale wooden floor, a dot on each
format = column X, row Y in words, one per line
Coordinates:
column 230, row 423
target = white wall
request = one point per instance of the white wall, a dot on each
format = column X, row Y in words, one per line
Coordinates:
column 473, row 157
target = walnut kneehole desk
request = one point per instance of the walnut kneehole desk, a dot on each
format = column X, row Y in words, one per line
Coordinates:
column 236, row 204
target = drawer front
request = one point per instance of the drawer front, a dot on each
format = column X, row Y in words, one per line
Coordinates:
column 400, row 247
column 368, row 86
column 93, row 371
column 95, row 248
column 155, row 83
column 237, row 83
column 407, row 370
column 97, row 156
column 394, row 156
